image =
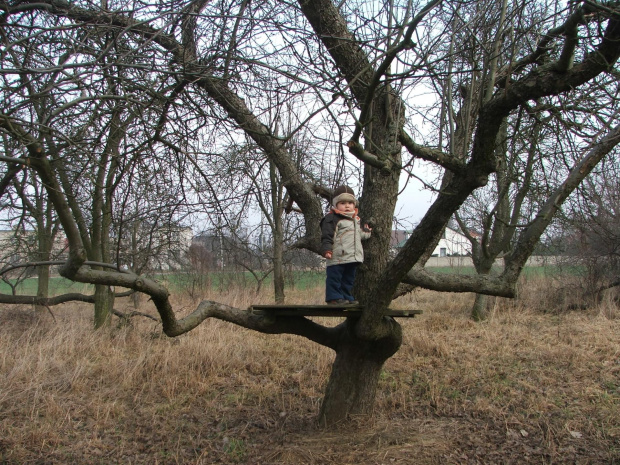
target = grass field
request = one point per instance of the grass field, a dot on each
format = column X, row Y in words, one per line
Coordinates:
column 219, row 281
column 57, row 286
column 526, row 386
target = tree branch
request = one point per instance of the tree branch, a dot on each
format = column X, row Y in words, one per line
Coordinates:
column 370, row 159
column 579, row 16
column 8, row 177
column 443, row 159
column 383, row 68
column 480, row 284
column 126, row 316
column 551, row 79
column 45, row 301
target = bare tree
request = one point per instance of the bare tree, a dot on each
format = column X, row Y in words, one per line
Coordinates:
column 589, row 234
column 90, row 127
column 39, row 215
column 17, row 248
column 355, row 69
column 530, row 142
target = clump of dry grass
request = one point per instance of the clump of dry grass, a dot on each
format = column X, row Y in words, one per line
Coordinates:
column 523, row 386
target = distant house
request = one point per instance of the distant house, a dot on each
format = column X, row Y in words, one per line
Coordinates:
column 9, row 246
column 218, row 251
column 452, row 243
column 166, row 247
column 207, row 252
column 21, row 245
column 177, row 247
column 155, row 248
column 398, row 238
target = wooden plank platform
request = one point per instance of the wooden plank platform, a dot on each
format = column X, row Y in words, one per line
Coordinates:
column 323, row 310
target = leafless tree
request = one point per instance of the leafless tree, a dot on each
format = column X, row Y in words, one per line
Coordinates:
column 589, row 234
column 534, row 145
column 354, row 72
column 37, row 217
column 90, row 129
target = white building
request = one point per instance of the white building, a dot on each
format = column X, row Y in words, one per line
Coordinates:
column 452, row 243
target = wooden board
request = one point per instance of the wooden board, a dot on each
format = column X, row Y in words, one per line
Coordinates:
column 323, row 310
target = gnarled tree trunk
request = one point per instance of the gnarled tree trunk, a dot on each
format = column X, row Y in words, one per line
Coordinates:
column 352, row 385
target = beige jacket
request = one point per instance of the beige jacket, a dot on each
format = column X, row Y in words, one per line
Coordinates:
column 342, row 235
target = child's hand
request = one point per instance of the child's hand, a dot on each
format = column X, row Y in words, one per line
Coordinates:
column 367, row 228
column 328, row 254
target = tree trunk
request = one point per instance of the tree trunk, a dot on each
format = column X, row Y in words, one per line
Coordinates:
column 278, row 234
column 352, row 385
column 104, row 303
column 278, row 273
column 43, row 271
column 479, row 309
column 43, row 284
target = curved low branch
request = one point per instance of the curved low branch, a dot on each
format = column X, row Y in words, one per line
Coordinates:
column 262, row 323
column 208, row 309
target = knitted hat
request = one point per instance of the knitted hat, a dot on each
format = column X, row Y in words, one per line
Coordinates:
column 343, row 193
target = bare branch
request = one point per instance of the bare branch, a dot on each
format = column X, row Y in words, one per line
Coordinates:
column 46, row 301
column 445, row 160
column 481, row 284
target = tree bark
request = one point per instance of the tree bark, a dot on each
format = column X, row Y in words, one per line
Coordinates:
column 353, row 382
column 278, row 272
column 104, row 303
column 362, row 345
column 43, row 271
column 278, row 234
column 483, row 265
column 43, row 282
column 479, row 308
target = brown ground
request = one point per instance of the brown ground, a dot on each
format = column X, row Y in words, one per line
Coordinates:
column 523, row 387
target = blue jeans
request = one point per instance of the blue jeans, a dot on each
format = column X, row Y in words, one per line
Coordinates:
column 339, row 281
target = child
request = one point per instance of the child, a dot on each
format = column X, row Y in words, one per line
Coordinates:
column 341, row 245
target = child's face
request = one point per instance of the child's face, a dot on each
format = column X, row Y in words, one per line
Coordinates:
column 346, row 206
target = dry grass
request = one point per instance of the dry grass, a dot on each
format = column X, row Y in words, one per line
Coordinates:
column 522, row 387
